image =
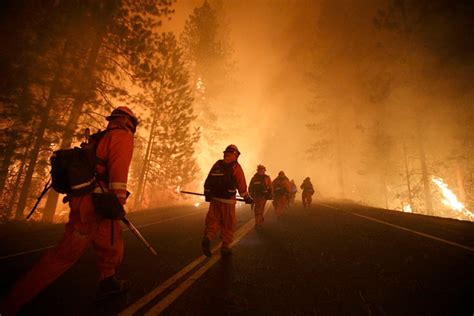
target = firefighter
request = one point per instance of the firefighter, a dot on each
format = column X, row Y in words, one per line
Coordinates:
column 307, row 193
column 85, row 226
column 293, row 192
column 261, row 190
column 225, row 176
column 281, row 191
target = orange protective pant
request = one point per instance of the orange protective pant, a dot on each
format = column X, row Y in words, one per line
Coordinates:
column 258, row 208
column 307, row 198
column 84, row 228
column 279, row 203
column 221, row 216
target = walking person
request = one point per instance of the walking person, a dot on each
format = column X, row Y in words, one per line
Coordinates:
column 86, row 226
column 225, row 178
column 261, row 190
column 308, row 191
column 281, row 190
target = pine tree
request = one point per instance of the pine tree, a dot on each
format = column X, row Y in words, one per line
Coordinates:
column 208, row 55
column 169, row 161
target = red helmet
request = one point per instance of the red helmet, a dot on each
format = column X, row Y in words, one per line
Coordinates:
column 232, row 149
column 123, row 111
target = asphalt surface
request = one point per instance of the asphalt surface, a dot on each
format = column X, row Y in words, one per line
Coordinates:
column 329, row 259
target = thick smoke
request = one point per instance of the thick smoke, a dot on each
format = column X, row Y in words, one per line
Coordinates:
column 343, row 91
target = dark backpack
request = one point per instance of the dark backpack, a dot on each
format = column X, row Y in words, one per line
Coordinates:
column 73, row 170
column 220, row 182
column 308, row 187
column 258, row 188
column 279, row 188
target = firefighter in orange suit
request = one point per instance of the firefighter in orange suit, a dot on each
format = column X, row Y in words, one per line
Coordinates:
column 85, row 226
column 281, row 191
column 261, row 190
column 308, row 191
column 225, row 176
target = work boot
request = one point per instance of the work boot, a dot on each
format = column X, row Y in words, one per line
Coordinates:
column 112, row 286
column 225, row 251
column 206, row 247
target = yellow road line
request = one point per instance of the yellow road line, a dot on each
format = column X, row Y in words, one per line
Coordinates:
column 162, row 287
column 405, row 229
column 171, row 297
column 166, row 301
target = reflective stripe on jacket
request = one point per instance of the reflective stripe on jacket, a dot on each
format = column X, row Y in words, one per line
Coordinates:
column 116, row 149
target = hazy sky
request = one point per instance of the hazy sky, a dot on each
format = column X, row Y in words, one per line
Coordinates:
column 278, row 44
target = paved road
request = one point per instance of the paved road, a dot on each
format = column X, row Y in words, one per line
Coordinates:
column 331, row 259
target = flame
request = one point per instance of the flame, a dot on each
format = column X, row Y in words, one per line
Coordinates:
column 407, row 208
column 200, row 85
column 197, row 204
column 450, row 199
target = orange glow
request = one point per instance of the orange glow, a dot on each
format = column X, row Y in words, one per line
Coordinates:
column 407, row 208
column 450, row 199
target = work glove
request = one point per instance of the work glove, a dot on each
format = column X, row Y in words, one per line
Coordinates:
column 248, row 199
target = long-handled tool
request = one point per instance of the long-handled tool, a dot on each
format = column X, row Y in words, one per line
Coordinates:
column 45, row 189
column 201, row 194
column 137, row 234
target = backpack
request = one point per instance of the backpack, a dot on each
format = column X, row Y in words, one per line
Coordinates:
column 258, row 187
column 279, row 188
column 308, row 187
column 220, row 182
column 73, row 170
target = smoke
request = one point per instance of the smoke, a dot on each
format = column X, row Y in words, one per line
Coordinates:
column 370, row 76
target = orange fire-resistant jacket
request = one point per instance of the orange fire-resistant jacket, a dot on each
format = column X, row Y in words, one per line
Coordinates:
column 116, row 150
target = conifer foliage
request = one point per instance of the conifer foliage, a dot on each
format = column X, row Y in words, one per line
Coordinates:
column 169, row 161
column 64, row 65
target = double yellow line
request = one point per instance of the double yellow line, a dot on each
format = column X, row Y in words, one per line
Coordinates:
column 166, row 301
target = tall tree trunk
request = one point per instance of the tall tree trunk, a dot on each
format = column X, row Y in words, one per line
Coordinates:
column 340, row 165
column 410, row 202
column 6, row 162
column 146, row 162
column 425, row 175
column 86, row 91
column 16, row 185
column 44, row 119
column 384, row 181
column 24, row 101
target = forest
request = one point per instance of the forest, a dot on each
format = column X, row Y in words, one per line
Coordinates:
column 372, row 99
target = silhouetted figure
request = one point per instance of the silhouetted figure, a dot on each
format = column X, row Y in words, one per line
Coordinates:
column 307, row 193
column 281, row 191
column 260, row 190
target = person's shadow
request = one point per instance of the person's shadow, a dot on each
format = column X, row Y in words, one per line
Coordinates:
column 229, row 302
